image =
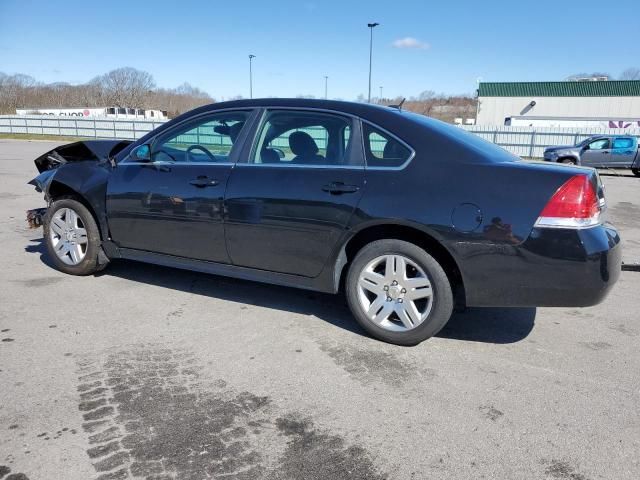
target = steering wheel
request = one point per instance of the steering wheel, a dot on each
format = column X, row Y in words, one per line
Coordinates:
column 203, row 150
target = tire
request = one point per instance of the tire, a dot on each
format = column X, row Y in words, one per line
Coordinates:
column 636, row 171
column 568, row 161
column 85, row 261
column 431, row 312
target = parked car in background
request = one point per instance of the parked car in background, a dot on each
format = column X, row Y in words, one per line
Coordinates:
column 600, row 151
column 407, row 215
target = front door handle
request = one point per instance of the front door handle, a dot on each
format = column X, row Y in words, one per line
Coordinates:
column 203, row 181
column 337, row 188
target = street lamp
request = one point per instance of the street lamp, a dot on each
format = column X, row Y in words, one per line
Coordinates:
column 326, row 78
column 371, row 27
column 251, row 57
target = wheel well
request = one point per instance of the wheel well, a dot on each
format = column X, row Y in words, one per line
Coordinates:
column 412, row 235
column 57, row 190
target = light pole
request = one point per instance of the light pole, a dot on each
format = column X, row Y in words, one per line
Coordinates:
column 326, row 79
column 251, row 57
column 371, row 27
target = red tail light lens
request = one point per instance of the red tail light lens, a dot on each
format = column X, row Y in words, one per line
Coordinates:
column 574, row 205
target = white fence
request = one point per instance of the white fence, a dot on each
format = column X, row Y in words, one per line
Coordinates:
column 92, row 127
column 528, row 142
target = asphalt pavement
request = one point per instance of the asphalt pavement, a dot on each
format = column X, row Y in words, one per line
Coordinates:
column 149, row 372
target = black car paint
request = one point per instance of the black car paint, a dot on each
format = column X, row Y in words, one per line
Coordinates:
column 504, row 260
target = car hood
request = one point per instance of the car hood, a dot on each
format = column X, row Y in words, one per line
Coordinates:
column 83, row 151
column 556, row 148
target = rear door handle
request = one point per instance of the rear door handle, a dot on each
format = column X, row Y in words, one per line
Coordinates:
column 203, row 181
column 337, row 188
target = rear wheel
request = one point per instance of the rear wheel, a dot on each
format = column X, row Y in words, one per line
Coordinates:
column 398, row 292
column 72, row 237
column 636, row 171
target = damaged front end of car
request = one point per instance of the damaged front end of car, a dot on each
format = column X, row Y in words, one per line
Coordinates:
column 78, row 169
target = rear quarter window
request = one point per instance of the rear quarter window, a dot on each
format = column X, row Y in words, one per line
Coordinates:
column 383, row 150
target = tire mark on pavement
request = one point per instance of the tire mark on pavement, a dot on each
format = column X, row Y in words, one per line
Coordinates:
column 563, row 470
column 149, row 413
column 374, row 363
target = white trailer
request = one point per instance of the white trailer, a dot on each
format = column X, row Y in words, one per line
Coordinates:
column 104, row 112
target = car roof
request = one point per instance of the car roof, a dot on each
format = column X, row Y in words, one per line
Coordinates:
column 364, row 110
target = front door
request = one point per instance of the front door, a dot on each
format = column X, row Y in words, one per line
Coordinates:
column 596, row 153
column 173, row 203
column 290, row 197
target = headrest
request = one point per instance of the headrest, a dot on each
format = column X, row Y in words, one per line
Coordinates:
column 301, row 143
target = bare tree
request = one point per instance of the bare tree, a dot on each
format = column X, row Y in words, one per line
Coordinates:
column 630, row 74
column 126, row 87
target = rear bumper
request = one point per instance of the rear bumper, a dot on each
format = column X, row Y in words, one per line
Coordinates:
column 552, row 268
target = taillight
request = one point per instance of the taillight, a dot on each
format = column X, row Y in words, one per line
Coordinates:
column 574, row 205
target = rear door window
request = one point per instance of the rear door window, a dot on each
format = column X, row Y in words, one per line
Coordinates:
column 383, row 150
column 305, row 138
column 622, row 143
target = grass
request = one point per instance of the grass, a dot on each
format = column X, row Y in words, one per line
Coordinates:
column 33, row 136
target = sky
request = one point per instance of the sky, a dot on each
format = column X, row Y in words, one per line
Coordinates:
column 444, row 46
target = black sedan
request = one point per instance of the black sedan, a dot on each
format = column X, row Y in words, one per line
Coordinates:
column 407, row 215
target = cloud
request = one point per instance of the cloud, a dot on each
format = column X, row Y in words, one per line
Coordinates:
column 410, row 42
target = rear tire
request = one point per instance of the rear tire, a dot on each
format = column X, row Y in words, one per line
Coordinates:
column 636, row 171
column 398, row 292
column 72, row 237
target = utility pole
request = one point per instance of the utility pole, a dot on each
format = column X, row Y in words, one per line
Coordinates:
column 326, row 79
column 371, row 27
column 380, row 94
column 251, row 57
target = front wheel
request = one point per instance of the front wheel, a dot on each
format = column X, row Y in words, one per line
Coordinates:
column 398, row 292
column 72, row 237
column 568, row 161
column 636, row 171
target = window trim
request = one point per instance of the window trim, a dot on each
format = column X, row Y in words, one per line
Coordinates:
column 355, row 125
column 250, row 110
column 395, row 137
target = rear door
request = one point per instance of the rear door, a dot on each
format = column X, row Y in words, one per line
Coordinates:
column 623, row 152
column 291, row 195
column 597, row 153
column 173, row 204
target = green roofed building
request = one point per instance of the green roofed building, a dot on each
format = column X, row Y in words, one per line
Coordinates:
column 610, row 103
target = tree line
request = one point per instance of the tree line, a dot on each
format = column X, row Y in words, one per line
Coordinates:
column 123, row 87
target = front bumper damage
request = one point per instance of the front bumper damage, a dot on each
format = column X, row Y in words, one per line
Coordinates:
column 35, row 217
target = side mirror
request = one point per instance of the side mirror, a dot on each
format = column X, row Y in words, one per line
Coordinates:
column 586, row 147
column 141, row 153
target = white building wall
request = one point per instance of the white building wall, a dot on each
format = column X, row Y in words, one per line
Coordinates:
column 493, row 110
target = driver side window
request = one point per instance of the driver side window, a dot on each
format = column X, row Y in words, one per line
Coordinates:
column 601, row 144
column 208, row 139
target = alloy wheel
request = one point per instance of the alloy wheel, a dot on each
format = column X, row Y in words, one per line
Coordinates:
column 68, row 236
column 395, row 293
